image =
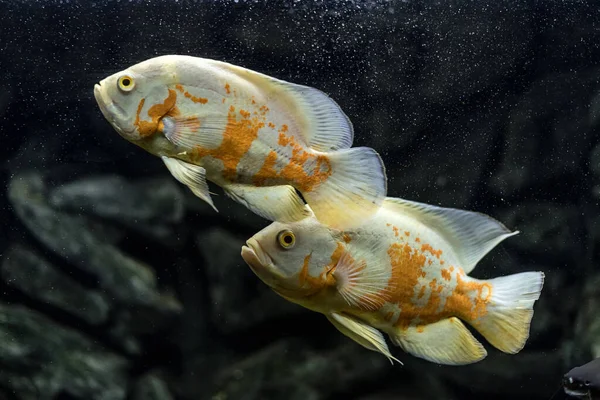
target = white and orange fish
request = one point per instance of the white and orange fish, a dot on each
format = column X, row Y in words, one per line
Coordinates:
column 257, row 137
column 403, row 273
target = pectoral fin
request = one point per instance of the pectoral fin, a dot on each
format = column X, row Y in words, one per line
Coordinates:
column 361, row 333
column 193, row 176
column 275, row 203
column 363, row 285
column 444, row 342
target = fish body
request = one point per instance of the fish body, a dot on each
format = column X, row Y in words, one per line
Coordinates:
column 257, row 137
column 404, row 273
column 584, row 381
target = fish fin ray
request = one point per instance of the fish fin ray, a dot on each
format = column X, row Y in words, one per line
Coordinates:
column 324, row 126
column 193, row 176
column 363, row 334
column 507, row 321
column 353, row 192
column 190, row 132
column 275, row 203
column 361, row 285
column 447, row 342
column 471, row 234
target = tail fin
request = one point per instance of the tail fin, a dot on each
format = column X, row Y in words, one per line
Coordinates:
column 353, row 192
column 506, row 325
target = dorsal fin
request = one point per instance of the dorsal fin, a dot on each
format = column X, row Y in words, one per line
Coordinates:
column 471, row 234
column 326, row 127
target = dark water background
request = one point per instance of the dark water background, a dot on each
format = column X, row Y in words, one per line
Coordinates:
column 116, row 283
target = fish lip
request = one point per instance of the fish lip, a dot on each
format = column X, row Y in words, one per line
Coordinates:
column 576, row 392
column 255, row 256
column 110, row 110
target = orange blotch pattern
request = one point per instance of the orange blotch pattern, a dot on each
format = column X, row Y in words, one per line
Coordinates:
column 227, row 88
column 294, row 171
column 310, row 285
column 238, row 136
column 347, row 238
column 156, row 112
column 468, row 299
column 187, row 95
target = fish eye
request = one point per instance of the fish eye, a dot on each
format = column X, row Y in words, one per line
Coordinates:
column 126, row 83
column 286, row 239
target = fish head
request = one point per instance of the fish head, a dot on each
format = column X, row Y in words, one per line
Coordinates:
column 135, row 100
column 584, row 380
column 291, row 257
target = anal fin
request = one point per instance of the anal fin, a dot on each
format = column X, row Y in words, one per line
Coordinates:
column 446, row 342
column 193, row 176
column 275, row 203
column 361, row 333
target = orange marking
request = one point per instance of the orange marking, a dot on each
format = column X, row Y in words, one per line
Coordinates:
column 266, row 171
column 156, row 112
column 245, row 113
column 309, row 285
column 271, row 125
column 436, row 253
column 294, row 171
column 396, row 231
column 227, row 88
column 347, row 238
column 407, row 233
column 418, row 240
column 468, row 300
column 446, row 275
column 237, row 139
column 442, row 262
column 420, row 328
column 284, row 128
column 187, row 94
column 388, row 316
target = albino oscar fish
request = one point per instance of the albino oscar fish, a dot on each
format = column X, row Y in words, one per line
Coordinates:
column 257, row 137
column 403, row 273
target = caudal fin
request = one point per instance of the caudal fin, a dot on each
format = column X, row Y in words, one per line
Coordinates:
column 506, row 324
column 353, row 192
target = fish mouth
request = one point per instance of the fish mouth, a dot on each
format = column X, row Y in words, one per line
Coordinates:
column 255, row 256
column 576, row 392
column 111, row 111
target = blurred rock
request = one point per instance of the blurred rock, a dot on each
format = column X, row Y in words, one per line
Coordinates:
column 292, row 370
column 526, row 375
column 130, row 283
column 149, row 206
column 25, row 270
column 151, row 387
column 239, row 299
column 40, row 359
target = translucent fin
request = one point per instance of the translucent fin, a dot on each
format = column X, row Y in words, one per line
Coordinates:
column 354, row 191
column 324, row 126
column 509, row 313
column 275, row 203
column 446, row 342
column 472, row 235
column 361, row 333
column 190, row 132
column 193, row 176
column 361, row 285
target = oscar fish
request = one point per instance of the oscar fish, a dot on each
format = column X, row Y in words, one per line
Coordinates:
column 403, row 273
column 259, row 138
